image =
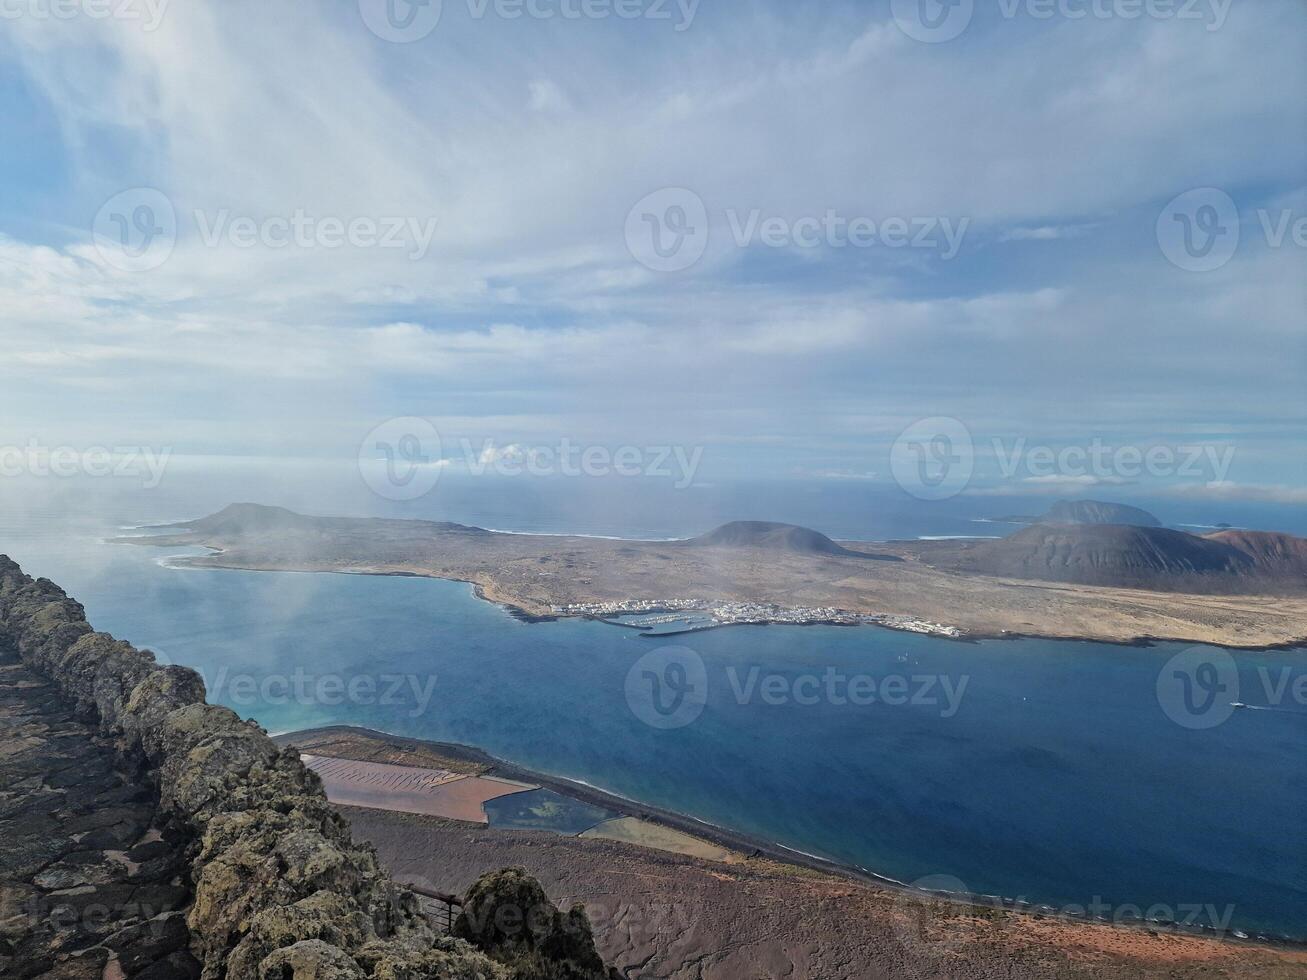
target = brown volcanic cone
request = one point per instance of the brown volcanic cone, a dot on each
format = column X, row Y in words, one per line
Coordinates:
column 1111, row 555
column 1272, row 552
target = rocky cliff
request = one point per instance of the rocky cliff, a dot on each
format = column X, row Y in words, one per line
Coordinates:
column 280, row 890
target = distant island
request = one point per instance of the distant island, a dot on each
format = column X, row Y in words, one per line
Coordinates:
column 1087, row 512
column 1067, row 575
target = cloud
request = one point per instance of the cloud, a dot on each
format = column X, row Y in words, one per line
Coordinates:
column 1064, row 481
column 1272, row 494
column 529, row 142
column 1047, row 233
column 547, row 97
column 835, row 474
column 492, row 454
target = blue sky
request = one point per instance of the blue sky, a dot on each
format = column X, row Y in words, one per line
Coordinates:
column 1054, row 144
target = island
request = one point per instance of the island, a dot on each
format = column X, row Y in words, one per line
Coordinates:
column 150, row 834
column 1106, row 582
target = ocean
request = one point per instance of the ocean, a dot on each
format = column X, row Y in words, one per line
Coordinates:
column 1052, row 772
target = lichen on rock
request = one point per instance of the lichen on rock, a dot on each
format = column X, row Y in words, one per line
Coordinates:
column 508, row 914
column 281, row 891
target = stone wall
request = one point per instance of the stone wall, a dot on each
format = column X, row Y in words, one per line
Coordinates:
column 281, row 890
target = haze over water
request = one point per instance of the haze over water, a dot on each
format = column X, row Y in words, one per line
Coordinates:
column 1058, row 778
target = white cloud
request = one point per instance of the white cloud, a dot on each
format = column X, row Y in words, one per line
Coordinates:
column 1073, row 482
column 1047, row 233
column 1274, row 494
column 530, row 142
column 547, row 97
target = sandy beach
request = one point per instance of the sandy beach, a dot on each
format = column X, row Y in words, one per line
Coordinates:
column 740, row 910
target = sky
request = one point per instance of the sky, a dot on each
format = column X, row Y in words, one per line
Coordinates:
column 783, row 235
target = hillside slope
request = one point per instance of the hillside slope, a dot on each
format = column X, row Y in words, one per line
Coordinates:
column 1124, row 556
column 1098, row 512
column 789, row 538
column 1272, row 552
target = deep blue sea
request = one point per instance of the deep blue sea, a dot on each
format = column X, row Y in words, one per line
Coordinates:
column 1054, row 775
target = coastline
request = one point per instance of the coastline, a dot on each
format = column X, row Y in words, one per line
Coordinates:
column 761, row 573
column 483, row 592
column 755, row 847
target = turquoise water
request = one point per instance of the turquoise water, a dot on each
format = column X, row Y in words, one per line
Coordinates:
column 1057, row 779
column 543, row 809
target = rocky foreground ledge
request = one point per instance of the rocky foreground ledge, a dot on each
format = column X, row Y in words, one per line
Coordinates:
column 92, row 883
column 222, row 828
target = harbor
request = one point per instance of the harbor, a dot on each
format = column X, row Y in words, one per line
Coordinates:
column 671, row 617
